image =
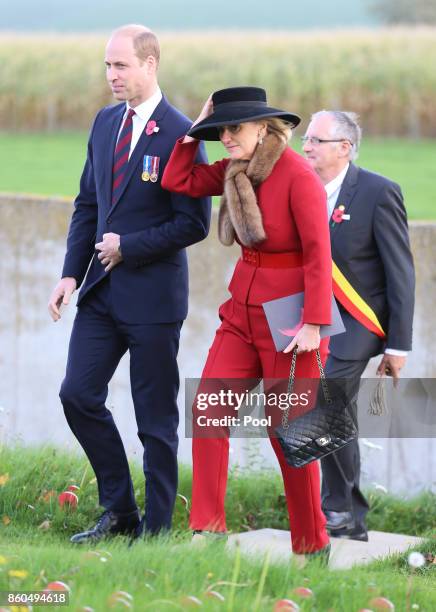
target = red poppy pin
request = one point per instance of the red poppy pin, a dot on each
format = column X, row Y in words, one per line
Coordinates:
column 339, row 215
column 151, row 128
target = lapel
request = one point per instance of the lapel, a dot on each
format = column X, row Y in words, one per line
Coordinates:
column 112, row 131
column 141, row 148
column 345, row 197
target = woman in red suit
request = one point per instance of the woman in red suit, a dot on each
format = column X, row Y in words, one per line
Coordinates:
column 274, row 206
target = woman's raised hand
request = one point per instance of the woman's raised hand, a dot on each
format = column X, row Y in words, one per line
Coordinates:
column 205, row 112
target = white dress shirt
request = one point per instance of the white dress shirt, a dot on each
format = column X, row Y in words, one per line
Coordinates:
column 143, row 113
column 332, row 189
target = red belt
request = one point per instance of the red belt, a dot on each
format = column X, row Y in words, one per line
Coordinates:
column 261, row 259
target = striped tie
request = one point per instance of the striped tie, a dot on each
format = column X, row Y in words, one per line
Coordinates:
column 121, row 156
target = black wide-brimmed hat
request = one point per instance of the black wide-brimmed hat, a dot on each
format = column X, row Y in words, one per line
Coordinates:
column 238, row 105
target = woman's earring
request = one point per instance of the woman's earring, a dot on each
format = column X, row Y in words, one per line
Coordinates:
column 260, row 139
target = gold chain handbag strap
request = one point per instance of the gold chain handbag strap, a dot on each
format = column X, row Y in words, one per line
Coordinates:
column 325, row 389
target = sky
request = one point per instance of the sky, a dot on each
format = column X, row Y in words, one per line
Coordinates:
column 104, row 15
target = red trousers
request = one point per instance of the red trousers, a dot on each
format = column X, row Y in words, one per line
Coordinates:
column 243, row 349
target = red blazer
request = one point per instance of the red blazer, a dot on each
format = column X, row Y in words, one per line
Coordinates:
column 292, row 201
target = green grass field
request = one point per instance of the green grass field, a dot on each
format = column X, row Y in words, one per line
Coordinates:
column 167, row 573
column 50, row 164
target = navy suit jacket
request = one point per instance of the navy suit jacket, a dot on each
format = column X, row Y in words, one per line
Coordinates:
column 150, row 285
column 374, row 244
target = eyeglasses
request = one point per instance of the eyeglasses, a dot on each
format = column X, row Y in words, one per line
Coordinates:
column 233, row 129
column 314, row 140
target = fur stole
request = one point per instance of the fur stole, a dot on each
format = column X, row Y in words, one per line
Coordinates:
column 239, row 213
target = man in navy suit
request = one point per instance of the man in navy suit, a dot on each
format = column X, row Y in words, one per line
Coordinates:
column 370, row 245
column 127, row 239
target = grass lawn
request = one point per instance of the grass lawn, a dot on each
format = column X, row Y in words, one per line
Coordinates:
column 50, row 164
column 166, row 573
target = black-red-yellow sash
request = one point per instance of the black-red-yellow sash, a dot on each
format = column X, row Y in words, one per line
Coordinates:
column 350, row 299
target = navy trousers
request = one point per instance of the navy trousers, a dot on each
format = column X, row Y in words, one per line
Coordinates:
column 98, row 341
column 340, row 489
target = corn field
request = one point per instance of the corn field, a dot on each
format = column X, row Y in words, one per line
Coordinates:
column 55, row 82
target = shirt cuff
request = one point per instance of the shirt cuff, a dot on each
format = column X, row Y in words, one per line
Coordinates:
column 396, row 352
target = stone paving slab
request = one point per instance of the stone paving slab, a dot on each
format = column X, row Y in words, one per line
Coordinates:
column 345, row 553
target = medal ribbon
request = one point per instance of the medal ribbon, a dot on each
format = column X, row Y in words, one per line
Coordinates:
column 147, row 164
column 155, row 166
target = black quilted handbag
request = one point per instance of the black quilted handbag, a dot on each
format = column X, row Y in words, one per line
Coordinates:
column 321, row 431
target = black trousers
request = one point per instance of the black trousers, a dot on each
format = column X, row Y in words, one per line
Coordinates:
column 98, row 341
column 340, row 489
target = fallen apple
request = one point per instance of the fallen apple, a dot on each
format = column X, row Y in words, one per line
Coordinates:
column 69, row 499
column 303, row 592
column 286, row 605
column 57, row 585
column 381, row 603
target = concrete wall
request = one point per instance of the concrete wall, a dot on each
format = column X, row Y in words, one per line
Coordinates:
column 33, row 349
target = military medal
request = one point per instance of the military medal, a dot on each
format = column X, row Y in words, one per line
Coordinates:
column 154, row 169
column 146, row 167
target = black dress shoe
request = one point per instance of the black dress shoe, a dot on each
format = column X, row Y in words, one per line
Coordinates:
column 355, row 533
column 138, row 533
column 339, row 520
column 109, row 523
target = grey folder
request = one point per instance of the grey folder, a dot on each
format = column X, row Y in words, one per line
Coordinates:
column 285, row 317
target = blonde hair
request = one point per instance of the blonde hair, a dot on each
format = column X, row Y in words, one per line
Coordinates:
column 282, row 129
column 145, row 41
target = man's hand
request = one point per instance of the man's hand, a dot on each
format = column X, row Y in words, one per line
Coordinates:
column 61, row 295
column 391, row 366
column 306, row 339
column 109, row 254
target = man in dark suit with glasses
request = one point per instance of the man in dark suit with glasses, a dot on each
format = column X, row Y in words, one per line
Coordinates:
column 371, row 253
